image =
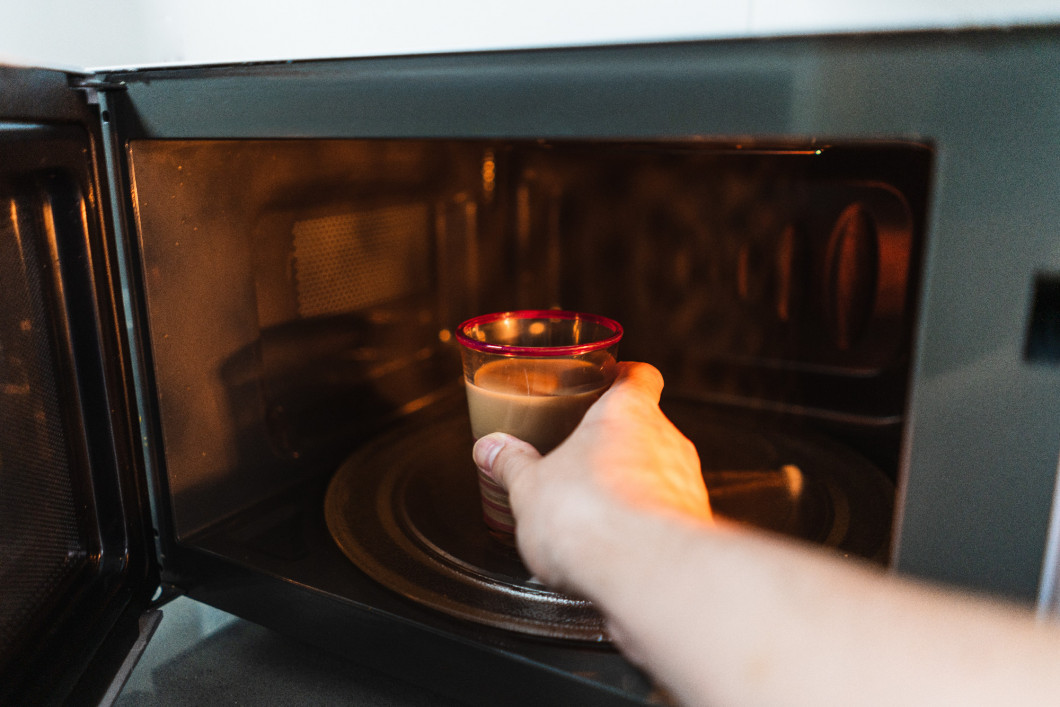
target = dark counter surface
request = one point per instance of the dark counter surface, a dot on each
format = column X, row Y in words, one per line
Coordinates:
column 201, row 655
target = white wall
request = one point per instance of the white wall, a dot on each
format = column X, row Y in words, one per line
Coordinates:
column 109, row 33
column 70, row 34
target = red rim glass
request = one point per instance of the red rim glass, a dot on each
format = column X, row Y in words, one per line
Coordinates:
column 509, row 350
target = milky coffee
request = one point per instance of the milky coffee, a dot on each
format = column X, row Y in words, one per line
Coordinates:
column 540, row 401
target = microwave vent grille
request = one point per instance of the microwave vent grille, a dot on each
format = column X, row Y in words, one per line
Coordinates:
column 351, row 261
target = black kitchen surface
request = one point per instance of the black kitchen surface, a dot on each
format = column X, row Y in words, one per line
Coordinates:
column 200, row 655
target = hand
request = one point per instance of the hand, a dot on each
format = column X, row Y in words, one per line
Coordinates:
column 624, row 460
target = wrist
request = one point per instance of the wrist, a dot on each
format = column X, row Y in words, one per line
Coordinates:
column 628, row 555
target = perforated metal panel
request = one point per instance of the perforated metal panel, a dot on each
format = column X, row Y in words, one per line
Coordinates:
column 347, row 262
column 42, row 544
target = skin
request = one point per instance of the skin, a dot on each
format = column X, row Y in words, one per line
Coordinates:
column 718, row 614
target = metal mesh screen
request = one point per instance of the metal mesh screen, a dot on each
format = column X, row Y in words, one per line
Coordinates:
column 41, row 541
column 347, row 262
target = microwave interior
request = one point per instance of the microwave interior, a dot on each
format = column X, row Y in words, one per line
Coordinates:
column 300, row 298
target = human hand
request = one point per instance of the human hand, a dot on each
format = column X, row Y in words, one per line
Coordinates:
column 624, row 461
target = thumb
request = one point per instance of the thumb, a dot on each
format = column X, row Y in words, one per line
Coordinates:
column 503, row 457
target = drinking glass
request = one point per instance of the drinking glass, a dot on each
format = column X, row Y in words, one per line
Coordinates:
column 532, row 374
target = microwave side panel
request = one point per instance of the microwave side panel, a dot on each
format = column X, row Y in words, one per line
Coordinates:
column 983, row 420
column 292, row 303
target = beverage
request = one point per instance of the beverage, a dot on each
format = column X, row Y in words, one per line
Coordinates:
column 537, row 400
column 540, row 401
column 532, row 374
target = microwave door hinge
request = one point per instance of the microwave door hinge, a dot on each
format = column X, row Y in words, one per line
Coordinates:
column 165, row 593
column 93, row 85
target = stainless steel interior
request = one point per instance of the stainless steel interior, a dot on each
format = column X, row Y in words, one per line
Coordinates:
column 301, row 294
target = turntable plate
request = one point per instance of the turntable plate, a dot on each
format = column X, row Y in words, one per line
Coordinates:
column 405, row 510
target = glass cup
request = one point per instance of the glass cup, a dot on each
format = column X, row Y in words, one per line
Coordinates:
column 532, row 374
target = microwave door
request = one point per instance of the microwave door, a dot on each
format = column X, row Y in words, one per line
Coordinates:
column 76, row 565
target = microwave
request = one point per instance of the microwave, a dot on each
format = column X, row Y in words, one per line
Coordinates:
column 228, row 368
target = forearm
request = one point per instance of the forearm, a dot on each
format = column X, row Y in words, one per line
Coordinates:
column 726, row 616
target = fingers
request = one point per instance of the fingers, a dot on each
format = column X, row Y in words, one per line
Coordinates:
column 639, row 378
column 503, row 457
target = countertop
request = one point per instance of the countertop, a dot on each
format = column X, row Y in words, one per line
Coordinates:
column 201, row 656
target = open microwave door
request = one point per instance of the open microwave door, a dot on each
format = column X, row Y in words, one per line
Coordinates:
column 77, row 567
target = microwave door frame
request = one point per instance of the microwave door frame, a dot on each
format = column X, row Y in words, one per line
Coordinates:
column 96, row 625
